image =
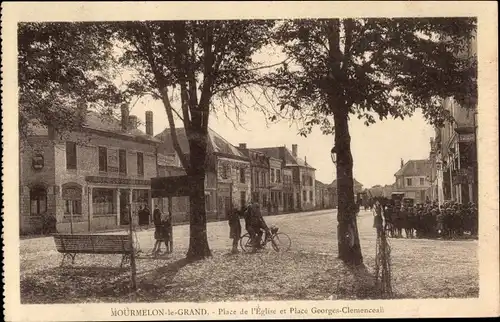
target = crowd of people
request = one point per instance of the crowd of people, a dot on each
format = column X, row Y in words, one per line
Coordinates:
column 429, row 220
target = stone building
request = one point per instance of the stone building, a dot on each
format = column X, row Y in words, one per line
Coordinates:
column 454, row 156
column 288, row 205
column 303, row 175
column 454, row 148
column 413, row 180
column 276, row 185
column 227, row 183
column 259, row 177
column 85, row 178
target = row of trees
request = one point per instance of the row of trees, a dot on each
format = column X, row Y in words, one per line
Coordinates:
column 332, row 69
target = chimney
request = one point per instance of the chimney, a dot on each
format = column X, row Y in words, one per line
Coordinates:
column 149, row 123
column 402, row 163
column 125, row 113
column 243, row 146
column 132, row 122
column 294, row 150
column 51, row 132
column 305, row 160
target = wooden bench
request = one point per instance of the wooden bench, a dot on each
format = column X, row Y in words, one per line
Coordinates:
column 70, row 245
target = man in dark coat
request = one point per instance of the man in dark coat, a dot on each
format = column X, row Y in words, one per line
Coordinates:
column 233, row 218
column 147, row 214
column 255, row 224
column 159, row 231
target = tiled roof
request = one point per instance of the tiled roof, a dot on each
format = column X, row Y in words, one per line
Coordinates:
column 105, row 123
column 415, row 168
column 281, row 152
column 319, row 184
column 216, row 143
column 356, row 183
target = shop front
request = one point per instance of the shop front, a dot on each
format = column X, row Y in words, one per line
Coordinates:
column 114, row 198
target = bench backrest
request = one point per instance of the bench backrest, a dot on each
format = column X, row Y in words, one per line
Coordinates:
column 99, row 244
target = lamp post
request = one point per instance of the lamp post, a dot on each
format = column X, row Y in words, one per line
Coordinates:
column 333, row 156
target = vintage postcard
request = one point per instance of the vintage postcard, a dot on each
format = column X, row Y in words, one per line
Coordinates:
column 249, row 160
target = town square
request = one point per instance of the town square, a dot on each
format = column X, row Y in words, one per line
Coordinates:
column 249, row 160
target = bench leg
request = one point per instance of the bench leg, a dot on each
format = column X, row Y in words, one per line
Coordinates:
column 62, row 261
column 125, row 259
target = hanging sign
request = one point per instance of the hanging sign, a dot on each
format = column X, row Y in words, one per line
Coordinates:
column 38, row 161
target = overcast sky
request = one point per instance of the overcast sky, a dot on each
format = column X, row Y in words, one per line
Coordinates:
column 377, row 149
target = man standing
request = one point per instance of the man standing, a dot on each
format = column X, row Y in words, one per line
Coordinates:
column 159, row 231
column 234, row 228
column 146, row 215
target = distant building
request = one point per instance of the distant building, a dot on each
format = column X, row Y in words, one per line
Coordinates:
column 86, row 178
column 381, row 191
column 413, row 180
column 303, row 175
column 324, row 196
column 357, row 187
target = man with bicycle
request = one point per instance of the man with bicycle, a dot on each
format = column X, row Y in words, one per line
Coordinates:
column 255, row 224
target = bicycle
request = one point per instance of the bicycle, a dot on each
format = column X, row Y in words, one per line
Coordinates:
column 280, row 242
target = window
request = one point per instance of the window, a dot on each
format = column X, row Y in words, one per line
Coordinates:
column 408, row 182
column 72, row 197
column 140, row 163
column 38, row 200
column 226, row 171
column 304, row 195
column 70, row 155
column 272, row 175
column 103, row 201
column 278, row 175
column 422, row 181
column 263, row 174
column 310, row 196
column 122, row 160
column 242, row 175
column 103, row 159
column 264, row 200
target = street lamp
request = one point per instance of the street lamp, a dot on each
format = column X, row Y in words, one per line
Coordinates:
column 333, row 155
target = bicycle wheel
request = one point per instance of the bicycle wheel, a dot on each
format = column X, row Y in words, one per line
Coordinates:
column 281, row 242
column 246, row 243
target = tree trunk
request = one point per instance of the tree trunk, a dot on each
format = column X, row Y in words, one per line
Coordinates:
column 347, row 229
column 198, row 241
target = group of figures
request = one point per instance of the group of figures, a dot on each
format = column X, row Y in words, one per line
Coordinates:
column 163, row 232
column 254, row 224
column 451, row 220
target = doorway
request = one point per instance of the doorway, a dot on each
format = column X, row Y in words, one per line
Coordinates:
column 124, row 207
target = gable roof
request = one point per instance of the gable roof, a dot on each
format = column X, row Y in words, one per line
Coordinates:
column 319, row 183
column 415, row 168
column 281, row 152
column 355, row 182
column 102, row 123
column 216, row 144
